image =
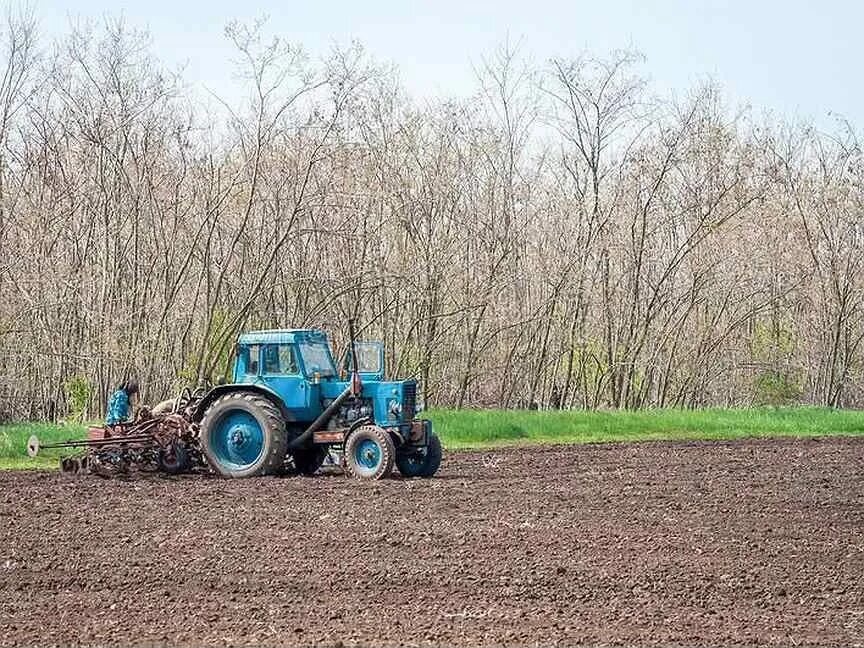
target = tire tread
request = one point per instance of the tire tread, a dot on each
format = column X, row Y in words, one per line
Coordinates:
column 385, row 441
column 273, row 426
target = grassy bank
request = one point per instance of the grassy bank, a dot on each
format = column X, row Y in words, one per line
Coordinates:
column 491, row 428
column 13, row 443
column 486, row 428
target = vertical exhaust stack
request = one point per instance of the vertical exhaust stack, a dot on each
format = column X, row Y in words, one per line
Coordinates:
column 356, row 384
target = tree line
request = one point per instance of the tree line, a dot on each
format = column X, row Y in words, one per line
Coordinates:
column 563, row 237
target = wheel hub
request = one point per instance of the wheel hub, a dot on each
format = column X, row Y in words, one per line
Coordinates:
column 237, row 439
column 368, row 454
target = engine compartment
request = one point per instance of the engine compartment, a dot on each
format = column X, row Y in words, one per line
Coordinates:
column 353, row 410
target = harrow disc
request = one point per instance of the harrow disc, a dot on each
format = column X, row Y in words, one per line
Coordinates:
column 71, row 465
column 32, row 446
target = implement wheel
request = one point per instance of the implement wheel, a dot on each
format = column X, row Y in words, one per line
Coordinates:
column 174, row 460
column 369, row 452
column 243, row 435
column 422, row 462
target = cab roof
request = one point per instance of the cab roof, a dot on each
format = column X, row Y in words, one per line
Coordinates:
column 281, row 336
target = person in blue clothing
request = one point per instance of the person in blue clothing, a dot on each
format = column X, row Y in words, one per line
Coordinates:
column 120, row 403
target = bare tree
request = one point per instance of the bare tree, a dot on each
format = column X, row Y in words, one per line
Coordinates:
column 560, row 238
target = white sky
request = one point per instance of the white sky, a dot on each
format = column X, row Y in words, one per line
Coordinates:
column 800, row 59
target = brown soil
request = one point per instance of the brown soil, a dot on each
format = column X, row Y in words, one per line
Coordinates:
column 745, row 543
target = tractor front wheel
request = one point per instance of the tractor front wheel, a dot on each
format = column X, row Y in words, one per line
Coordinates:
column 243, row 435
column 370, row 452
column 421, row 462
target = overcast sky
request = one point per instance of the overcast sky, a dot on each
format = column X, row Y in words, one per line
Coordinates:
column 800, row 59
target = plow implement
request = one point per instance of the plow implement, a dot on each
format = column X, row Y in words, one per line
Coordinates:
column 166, row 443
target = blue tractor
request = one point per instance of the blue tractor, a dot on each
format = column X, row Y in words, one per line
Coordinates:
column 289, row 405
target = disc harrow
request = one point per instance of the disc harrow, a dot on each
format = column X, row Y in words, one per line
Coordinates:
column 165, row 443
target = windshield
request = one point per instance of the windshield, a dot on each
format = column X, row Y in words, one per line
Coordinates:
column 368, row 357
column 316, row 359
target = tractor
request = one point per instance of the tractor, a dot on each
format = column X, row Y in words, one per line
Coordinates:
column 288, row 403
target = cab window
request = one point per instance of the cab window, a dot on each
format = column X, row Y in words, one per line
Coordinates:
column 279, row 359
column 252, row 359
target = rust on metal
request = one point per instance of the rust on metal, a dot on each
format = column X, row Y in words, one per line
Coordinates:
column 329, row 436
column 143, row 444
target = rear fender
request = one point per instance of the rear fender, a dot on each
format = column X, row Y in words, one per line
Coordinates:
column 218, row 391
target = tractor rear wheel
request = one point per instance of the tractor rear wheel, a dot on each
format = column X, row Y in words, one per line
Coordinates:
column 370, row 452
column 243, row 435
column 421, row 464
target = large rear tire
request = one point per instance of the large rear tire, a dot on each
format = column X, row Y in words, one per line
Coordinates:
column 370, row 453
column 421, row 463
column 243, row 435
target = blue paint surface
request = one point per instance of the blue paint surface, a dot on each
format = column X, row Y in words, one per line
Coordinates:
column 295, row 369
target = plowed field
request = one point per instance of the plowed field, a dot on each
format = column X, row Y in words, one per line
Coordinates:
column 740, row 543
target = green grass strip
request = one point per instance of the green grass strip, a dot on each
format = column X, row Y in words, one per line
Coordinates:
column 490, row 428
column 13, row 443
column 477, row 429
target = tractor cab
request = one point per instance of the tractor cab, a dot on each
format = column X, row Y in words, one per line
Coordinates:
column 319, row 405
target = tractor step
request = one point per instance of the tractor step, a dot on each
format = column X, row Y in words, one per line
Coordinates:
column 329, row 436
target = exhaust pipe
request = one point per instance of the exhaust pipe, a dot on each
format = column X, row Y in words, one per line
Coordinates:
column 322, row 419
column 354, row 388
